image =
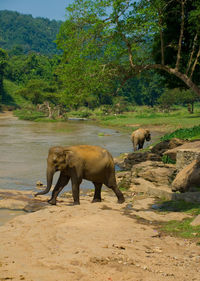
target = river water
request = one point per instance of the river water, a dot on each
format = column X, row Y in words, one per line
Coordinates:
column 24, row 147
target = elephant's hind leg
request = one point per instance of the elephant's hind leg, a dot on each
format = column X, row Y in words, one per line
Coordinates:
column 113, row 185
column 97, row 193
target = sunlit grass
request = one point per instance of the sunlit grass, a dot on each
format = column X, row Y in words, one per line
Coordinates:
column 145, row 117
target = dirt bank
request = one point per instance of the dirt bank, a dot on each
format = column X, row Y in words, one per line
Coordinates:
column 102, row 241
column 6, row 114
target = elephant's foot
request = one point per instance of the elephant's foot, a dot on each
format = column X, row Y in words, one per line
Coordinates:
column 52, row 201
column 76, row 203
column 95, row 200
column 121, row 200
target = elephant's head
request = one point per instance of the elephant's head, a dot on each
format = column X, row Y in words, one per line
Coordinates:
column 147, row 135
column 59, row 159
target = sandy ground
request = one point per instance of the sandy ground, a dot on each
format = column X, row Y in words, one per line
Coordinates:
column 101, row 241
column 6, row 114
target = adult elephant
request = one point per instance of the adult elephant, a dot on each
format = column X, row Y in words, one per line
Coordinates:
column 79, row 162
column 138, row 138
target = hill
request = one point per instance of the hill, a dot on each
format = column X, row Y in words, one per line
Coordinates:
column 31, row 34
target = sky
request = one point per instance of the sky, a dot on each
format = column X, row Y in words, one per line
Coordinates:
column 51, row 9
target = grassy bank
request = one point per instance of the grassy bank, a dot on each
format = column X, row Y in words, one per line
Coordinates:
column 148, row 118
column 182, row 228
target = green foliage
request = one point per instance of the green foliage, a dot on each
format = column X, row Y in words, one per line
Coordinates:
column 167, row 100
column 167, row 160
column 106, row 44
column 29, row 114
column 38, row 91
column 23, row 68
column 187, row 133
column 82, row 112
column 169, row 23
column 177, row 96
column 3, row 63
column 33, row 34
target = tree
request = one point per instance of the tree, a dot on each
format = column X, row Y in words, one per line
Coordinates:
column 107, row 42
column 3, row 63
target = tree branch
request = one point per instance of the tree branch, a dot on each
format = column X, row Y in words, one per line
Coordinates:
column 181, row 34
column 161, row 40
column 195, row 63
column 187, row 80
column 191, row 55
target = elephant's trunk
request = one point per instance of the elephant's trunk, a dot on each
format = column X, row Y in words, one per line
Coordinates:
column 50, row 173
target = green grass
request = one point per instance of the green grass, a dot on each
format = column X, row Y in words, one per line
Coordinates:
column 146, row 117
column 11, row 98
column 181, row 228
column 167, row 159
column 180, row 206
column 29, row 114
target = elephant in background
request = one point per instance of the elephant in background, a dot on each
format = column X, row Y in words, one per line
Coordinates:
column 80, row 162
column 138, row 138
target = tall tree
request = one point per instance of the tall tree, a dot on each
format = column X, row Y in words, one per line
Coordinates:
column 108, row 42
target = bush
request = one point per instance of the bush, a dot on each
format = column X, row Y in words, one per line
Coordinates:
column 188, row 133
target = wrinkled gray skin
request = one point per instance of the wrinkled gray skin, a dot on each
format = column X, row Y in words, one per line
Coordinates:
column 79, row 162
column 138, row 138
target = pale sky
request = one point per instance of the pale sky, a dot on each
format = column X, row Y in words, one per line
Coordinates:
column 52, row 9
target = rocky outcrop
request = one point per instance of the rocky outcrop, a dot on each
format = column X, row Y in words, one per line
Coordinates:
column 196, row 221
column 132, row 159
column 187, row 177
column 155, row 172
column 184, row 154
column 163, row 146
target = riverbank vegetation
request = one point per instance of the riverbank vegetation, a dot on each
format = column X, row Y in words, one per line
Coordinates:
column 121, row 63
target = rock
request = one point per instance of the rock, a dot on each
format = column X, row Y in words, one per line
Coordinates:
column 196, row 221
column 184, row 154
column 134, row 158
column 187, row 177
column 154, row 171
column 163, row 146
column 123, row 179
column 39, row 183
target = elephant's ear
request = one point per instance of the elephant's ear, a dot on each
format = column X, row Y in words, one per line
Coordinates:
column 71, row 158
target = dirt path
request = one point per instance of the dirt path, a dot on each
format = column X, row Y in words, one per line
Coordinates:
column 102, row 241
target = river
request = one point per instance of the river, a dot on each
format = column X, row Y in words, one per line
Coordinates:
column 24, row 147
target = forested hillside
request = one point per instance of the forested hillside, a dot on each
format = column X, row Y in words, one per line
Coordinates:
column 31, row 34
column 114, row 55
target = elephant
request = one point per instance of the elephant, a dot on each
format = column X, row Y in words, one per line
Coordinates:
column 138, row 137
column 80, row 162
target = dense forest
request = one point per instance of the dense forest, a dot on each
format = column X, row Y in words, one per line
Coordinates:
column 113, row 55
column 28, row 33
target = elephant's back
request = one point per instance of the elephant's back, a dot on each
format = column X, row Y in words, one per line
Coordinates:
column 92, row 153
column 139, row 133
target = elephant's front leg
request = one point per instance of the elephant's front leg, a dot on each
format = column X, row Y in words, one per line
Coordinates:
column 75, row 189
column 62, row 181
column 97, row 193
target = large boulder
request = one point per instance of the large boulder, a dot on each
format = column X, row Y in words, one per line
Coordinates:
column 155, row 172
column 138, row 157
column 187, row 177
column 184, row 154
column 163, row 146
